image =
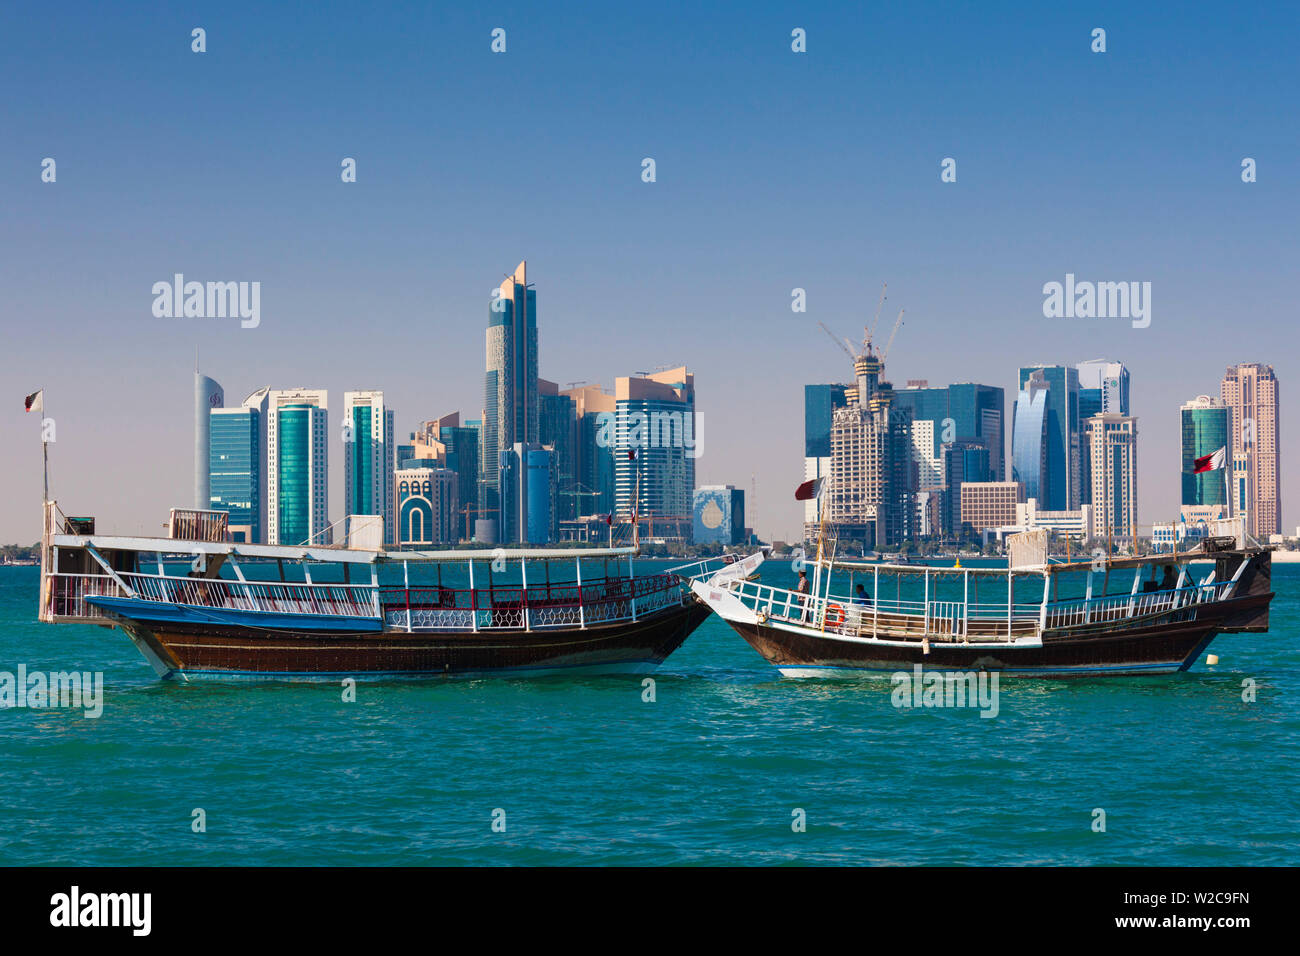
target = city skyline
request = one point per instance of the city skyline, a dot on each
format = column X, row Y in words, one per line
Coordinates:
column 697, row 267
column 210, row 391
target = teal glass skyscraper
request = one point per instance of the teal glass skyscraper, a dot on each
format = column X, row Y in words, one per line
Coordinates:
column 1206, row 426
column 369, row 458
column 297, row 466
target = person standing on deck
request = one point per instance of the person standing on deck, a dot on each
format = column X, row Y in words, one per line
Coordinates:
column 802, row 590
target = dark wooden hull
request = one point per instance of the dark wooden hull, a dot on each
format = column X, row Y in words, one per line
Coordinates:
column 1161, row 645
column 189, row 651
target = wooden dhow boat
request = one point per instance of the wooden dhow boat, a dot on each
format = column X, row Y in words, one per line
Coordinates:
column 197, row 605
column 1154, row 614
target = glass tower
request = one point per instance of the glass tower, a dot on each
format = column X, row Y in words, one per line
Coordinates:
column 964, row 411
column 1029, row 440
column 510, row 385
column 235, row 470
column 1061, row 444
column 655, row 443
column 819, row 404
column 297, row 466
column 294, row 465
column 1206, row 426
column 369, row 458
column 557, row 425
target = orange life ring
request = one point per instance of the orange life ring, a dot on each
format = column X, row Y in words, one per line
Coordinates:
column 834, row 615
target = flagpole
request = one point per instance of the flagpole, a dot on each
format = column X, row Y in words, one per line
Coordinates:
column 38, row 405
column 1227, row 485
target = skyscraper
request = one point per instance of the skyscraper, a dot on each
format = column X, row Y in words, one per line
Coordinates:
column 819, row 405
column 1250, row 390
column 873, row 475
column 1112, row 442
column 369, row 458
column 527, row 489
column 1103, row 387
column 298, row 466
column 237, row 466
column 557, row 425
column 1205, row 427
column 1029, row 438
column 656, row 439
column 207, row 396
column 1061, row 441
column 510, row 388
column 593, row 490
column 962, row 413
column 964, row 462
column 461, row 444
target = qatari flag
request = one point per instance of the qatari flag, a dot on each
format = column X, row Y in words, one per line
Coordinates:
column 35, row 401
column 1212, row 462
column 809, row 489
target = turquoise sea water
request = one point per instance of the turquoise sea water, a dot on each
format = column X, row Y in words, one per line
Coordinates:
column 711, row 772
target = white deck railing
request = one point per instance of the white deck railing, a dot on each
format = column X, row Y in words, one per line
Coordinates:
column 69, row 592
column 947, row 619
column 1114, row 607
column 479, row 610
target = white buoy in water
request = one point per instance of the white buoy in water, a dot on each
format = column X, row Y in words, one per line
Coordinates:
column 1211, row 660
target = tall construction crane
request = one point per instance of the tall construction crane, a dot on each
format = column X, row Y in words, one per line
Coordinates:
column 845, row 344
column 868, row 332
column 897, row 324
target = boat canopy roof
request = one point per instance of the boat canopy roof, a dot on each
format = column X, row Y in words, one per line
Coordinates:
column 1055, row 567
column 322, row 553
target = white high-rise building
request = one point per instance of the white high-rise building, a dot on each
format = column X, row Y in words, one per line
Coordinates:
column 297, row 473
column 929, row 466
column 208, row 395
column 369, row 458
column 1112, row 444
column 1251, row 391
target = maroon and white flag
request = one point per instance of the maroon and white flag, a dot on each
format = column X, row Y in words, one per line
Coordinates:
column 1211, row 462
column 809, row 489
column 35, row 402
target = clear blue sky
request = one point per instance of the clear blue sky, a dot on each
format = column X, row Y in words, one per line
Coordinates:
column 775, row 170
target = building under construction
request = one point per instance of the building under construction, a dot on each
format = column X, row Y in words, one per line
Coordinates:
column 871, row 498
column 872, row 491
